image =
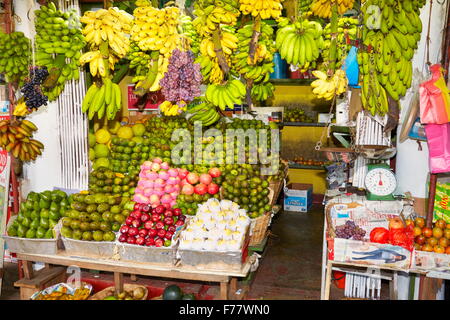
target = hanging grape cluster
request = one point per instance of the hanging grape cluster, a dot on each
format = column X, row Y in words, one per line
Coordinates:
column 34, row 98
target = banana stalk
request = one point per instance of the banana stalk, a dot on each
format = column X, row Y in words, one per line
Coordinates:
column 219, row 52
column 334, row 31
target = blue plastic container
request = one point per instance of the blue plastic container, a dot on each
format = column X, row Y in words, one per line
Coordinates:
column 280, row 68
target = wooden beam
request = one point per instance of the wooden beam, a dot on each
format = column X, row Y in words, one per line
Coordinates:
column 118, row 282
column 27, row 269
column 224, row 290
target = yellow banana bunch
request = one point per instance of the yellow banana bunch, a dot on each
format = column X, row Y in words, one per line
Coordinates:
column 17, row 138
column 156, row 29
column 226, row 95
column 322, row 8
column 299, row 43
column 265, row 9
column 109, row 26
column 172, row 109
column 210, row 69
column 212, row 14
column 326, row 88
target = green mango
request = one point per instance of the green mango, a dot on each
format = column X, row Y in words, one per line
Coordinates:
column 12, row 231
column 36, row 205
column 64, row 203
column 20, row 217
column 40, row 232
column 49, row 234
column 31, row 233
column 15, row 224
column 52, row 223
column 33, row 196
column 45, row 213
column 23, row 206
column 21, row 231
column 44, row 204
column 54, row 215
column 54, row 207
column 44, row 223
column 26, row 222
column 46, row 195
column 34, row 224
column 34, row 215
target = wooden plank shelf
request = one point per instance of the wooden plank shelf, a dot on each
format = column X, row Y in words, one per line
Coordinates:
column 292, row 82
column 302, row 124
column 305, row 167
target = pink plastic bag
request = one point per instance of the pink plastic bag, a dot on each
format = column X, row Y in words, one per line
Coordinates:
column 434, row 98
column 438, row 140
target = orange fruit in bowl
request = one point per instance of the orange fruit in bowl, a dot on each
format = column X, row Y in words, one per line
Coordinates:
column 427, row 232
column 437, row 232
column 432, row 241
column 440, row 223
column 409, row 222
column 443, row 242
column 447, row 233
column 419, row 222
column 417, row 231
column 427, row 247
column 438, row 249
column 447, row 250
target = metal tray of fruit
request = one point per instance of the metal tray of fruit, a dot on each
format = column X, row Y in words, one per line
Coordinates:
column 102, row 249
column 133, row 252
column 32, row 246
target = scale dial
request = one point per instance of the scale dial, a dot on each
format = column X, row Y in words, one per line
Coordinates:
column 380, row 182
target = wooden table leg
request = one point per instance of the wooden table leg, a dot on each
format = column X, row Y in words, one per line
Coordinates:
column 118, row 282
column 27, row 269
column 233, row 288
column 393, row 286
column 224, row 290
column 328, row 281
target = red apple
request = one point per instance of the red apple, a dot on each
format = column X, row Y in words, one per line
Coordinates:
column 182, row 217
column 131, row 240
column 160, row 209
column 137, row 206
column 140, row 240
column 156, row 217
column 143, row 232
column 179, row 223
column 205, row 178
column 161, row 233
column 168, row 235
column 159, row 242
column 200, row 189
column 152, row 233
column 169, row 213
column 214, row 172
column 150, row 242
column 192, row 178
column 168, row 221
column 172, row 228
column 177, row 212
column 145, row 217
column 182, row 173
column 159, row 225
column 149, row 224
column 123, row 238
column 124, row 229
column 129, row 220
column 213, row 188
column 133, row 231
column 187, row 189
column 134, row 213
column 146, row 208
column 136, row 223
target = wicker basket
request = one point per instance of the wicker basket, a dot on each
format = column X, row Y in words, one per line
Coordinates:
column 258, row 228
column 110, row 291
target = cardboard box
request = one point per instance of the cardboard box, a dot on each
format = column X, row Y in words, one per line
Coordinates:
column 298, row 197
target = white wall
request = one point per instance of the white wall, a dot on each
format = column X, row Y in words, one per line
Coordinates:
column 42, row 174
column 412, row 164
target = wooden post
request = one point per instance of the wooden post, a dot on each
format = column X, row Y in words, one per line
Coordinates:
column 118, row 282
column 233, row 287
column 328, row 281
column 224, row 291
column 27, row 269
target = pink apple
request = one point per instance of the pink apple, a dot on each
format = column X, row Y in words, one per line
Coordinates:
column 146, row 165
column 182, row 173
column 148, row 192
column 159, row 191
column 155, row 167
column 187, row 189
column 174, row 194
column 205, row 178
column 192, row 178
column 183, row 182
column 157, row 160
column 176, row 187
column 173, row 172
column 214, row 172
column 151, row 175
column 172, row 203
column 159, row 183
column 166, row 199
column 168, row 188
column 165, row 166
column 148, row 184
column 163, row 175
column 173, row 180
column 154, row 198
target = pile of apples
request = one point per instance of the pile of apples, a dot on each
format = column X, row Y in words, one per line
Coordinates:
column 435, row 239
column 147, row 226
column 199, row 184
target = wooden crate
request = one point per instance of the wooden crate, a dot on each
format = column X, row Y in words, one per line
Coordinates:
column 42, row 279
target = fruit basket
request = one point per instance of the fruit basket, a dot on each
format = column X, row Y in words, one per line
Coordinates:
column 104, row 249
column 110, row 291
column 35, row 246
column 259, row 227
column 131, row 252
column 63, row 291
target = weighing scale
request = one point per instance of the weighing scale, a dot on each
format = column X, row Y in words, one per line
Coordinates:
column 380, row 182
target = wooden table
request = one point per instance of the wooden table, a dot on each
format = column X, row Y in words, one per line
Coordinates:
column 226, row 278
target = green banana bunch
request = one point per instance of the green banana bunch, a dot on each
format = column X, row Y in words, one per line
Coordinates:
column 189, row 32
column 59, row 42
column 299, row 43
column 104, row 100
column 15, row 51
column 262, row 91
column 346, row 26
column 205, row 112
column 386, row 66
column 226, row 95
column 304, row 5
column 260, row 66
column 212, row 14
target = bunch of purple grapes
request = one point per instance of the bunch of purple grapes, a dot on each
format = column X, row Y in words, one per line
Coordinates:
column 350, row 230
column 183, row 77
column 34, row 98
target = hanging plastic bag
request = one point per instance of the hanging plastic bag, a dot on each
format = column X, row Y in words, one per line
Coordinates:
column 351, row 67
column 438, row 140
column 434, row 98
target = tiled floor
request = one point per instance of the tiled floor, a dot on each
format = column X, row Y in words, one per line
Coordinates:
column 290, row 268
